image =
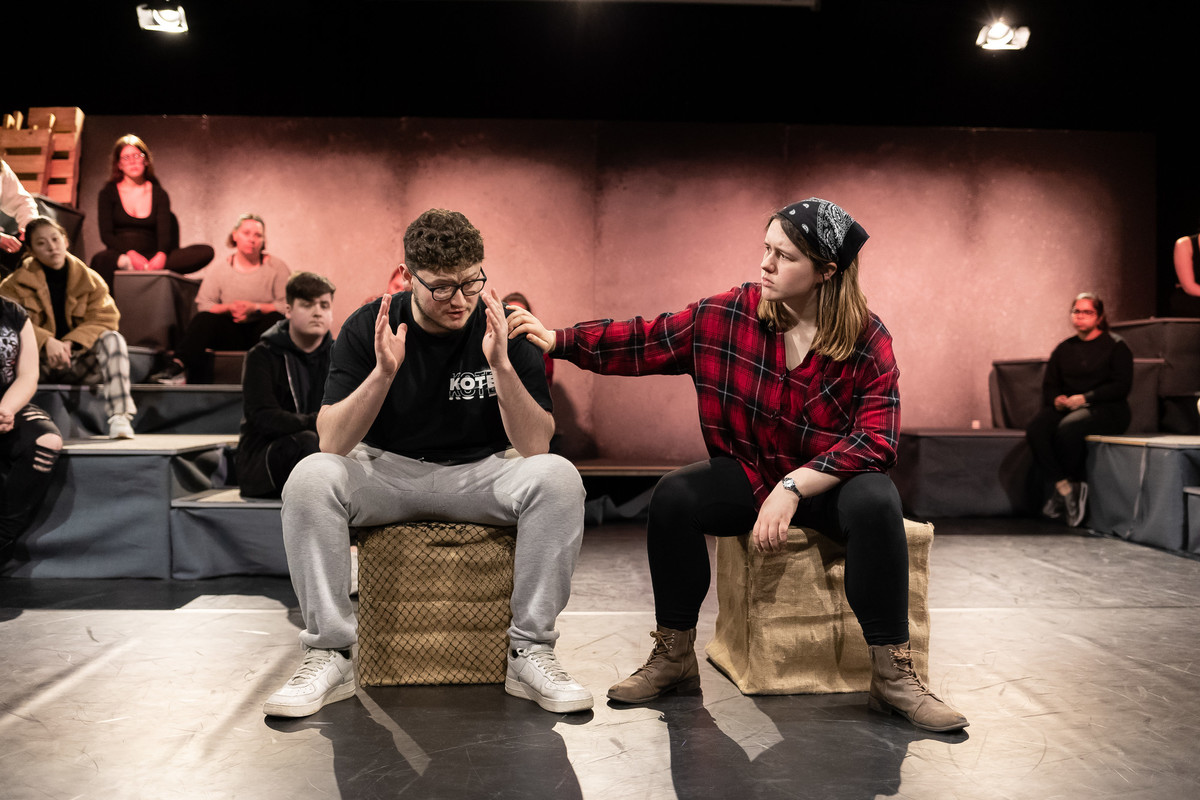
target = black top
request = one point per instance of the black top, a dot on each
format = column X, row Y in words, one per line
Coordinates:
column 442, row 405
column 12, row 320
column 1101, row 370
column 56, row 283
column 121, row 232
column 282, row 387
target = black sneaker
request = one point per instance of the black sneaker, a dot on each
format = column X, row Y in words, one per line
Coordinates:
column 1054, row 506
column 1077, row 504
column 173, row 374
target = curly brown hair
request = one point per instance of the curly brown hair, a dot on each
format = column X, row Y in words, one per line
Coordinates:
column 442, row 241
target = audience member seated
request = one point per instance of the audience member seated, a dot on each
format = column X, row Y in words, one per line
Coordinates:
column 239, row 299
column 430, row 412
column 1185, row 299
column 1085, row 392
column 76, row 330
column 398, row 282
column 136, row 224
column 29, row 441
column 800, row 411
column 19, row 204
column 518, row 300
column 282, row 387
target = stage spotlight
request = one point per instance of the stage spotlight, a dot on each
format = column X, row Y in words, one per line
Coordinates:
column 162, row 17
column 1002, row 36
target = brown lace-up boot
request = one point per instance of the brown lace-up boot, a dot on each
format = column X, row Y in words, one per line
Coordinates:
column 672, row 665
column 895, row 688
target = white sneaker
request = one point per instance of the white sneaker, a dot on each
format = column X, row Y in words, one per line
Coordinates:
column 119, row 427
column 535, row 674
column 325, row 676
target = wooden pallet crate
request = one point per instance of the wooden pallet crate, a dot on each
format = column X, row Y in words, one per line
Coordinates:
column 66, row 123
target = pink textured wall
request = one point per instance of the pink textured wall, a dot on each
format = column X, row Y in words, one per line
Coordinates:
column 979, row 238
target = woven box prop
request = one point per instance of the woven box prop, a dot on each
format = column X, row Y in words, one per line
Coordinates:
column 784, row 625
column 433, row 603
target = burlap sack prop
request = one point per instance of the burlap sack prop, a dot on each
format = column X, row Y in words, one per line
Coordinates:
column 433, row 603
column 783, row 623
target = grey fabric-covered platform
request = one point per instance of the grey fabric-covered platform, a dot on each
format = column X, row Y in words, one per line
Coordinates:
column 107, row 513
column 952, row 472
column 1136, row 488
column 219, row 532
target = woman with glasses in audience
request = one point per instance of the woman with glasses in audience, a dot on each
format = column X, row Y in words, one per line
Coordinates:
column 240, row 297
column 1085, row 392
column 135, row 220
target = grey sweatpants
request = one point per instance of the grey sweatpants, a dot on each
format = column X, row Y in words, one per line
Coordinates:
column 326, row 494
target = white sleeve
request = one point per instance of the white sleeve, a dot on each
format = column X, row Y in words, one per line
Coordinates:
column 14, row 199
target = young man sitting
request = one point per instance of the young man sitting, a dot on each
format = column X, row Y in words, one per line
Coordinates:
column 282, row 388
column 432, row 412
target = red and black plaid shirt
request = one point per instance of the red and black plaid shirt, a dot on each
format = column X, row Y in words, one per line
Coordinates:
column 831, row 416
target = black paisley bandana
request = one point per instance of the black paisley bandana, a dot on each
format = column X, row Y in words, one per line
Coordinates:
column 831, row 232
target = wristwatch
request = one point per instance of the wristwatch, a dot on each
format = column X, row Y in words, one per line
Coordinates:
column 790, row 485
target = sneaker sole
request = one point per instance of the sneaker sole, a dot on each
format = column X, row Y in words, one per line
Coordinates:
column 516, row 688
column 343, row 691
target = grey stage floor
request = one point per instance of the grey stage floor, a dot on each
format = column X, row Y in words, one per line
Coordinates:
column 1076, row 658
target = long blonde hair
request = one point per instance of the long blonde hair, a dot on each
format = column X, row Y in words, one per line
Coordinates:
column 841, row 306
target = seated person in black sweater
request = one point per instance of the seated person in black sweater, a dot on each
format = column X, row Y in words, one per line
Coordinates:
column 282, row 387
column 1085, row 392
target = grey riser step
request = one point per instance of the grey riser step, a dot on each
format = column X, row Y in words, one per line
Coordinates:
column 1141, row 489
column 78, row 411
column 218, row 532
column 108, row 512
column 944, row 472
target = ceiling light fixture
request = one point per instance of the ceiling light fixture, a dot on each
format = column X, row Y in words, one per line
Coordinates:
column 1002, row 36
column 162, row 18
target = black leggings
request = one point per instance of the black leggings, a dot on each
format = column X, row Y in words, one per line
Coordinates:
column 183, row 261
column 714, row 497
column 26, row 470
column 218, row 332
column 1057, row 437
column 264, row 472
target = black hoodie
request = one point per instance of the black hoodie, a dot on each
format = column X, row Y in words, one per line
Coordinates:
column 282, row 389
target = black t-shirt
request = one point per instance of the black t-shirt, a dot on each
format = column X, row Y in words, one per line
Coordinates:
column 442, row 405
column 12, row 320
column 56, row 282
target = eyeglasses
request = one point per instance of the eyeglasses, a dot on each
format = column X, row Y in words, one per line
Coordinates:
column 1083, row 312
column 132, row 159
column 444, row 291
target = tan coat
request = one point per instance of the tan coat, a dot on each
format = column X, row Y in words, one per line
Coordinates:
column 90, row 309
